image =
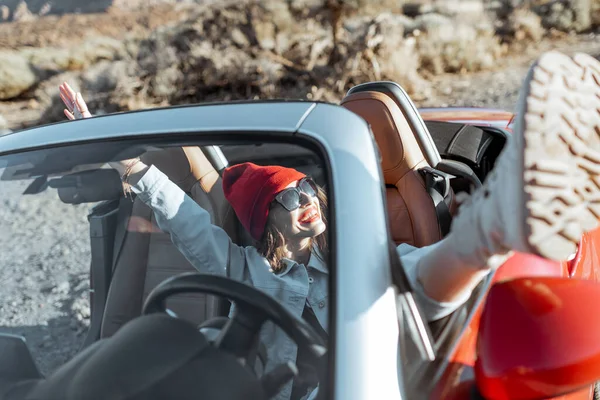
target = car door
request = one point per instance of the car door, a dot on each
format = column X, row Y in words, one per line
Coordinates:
column 363, row 326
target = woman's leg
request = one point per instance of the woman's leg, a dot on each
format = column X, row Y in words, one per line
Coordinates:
column 544, row 191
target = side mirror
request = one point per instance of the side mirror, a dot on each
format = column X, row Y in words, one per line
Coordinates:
column 538, row 338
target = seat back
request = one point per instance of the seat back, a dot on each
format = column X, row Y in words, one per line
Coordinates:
column 411, row 115
column 412, row 213
column 146, row 256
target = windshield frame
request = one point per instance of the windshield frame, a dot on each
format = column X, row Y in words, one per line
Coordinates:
column 344, row 141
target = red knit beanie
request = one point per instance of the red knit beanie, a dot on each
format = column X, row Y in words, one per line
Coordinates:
column 250, row 189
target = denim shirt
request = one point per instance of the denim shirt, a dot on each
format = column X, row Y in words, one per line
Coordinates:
column 210, row 250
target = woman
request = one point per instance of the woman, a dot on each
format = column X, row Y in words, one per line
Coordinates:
column 284, row 211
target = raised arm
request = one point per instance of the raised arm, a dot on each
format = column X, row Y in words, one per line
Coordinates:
column 207, row 247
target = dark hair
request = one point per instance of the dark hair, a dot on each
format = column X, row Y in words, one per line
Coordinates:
column 272, row 244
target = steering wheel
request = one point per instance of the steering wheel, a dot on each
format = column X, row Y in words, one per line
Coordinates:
column 241, row 333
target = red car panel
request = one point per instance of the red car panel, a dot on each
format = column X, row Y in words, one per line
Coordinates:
column 471, row 116
column 543, row 313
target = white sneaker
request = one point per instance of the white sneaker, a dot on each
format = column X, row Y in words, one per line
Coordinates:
column 544, row 191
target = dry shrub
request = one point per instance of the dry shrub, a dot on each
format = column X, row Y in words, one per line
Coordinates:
column 567, row 15
column 192, row 61
column 458, row 47
column 377, row 49
column 525, row 25
column 245, row 52
column 283, row 49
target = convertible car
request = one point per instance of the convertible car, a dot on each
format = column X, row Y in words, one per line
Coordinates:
column 393, row 174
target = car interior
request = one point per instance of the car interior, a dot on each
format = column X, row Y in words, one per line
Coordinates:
column 461, row 155
column 131, row 257
column 133, row 277
column 411, row 211
column 425, row 164
column 461, row 150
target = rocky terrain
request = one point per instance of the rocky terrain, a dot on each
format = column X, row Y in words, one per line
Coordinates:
column 175, row 52
column 132, row 55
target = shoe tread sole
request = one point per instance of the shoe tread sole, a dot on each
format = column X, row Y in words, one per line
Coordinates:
column 561, row 153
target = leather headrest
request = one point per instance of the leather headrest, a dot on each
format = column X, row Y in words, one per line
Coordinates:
column 398, row 146
column 184, row 166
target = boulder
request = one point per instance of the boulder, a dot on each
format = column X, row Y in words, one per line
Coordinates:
column 55, row 60
column 16, row 75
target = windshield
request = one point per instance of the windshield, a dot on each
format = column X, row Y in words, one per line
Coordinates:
column 85, row 237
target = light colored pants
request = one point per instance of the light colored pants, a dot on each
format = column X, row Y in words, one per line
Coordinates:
column 432, row 309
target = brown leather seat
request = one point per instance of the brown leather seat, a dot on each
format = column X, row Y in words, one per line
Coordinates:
column 146, row 255
column 411, row 210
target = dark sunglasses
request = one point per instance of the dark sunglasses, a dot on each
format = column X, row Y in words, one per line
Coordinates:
column 291, row 198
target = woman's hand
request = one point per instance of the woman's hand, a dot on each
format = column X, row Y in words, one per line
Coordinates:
column 76, row 107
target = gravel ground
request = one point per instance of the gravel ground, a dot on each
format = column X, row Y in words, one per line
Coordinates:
column 500, row 88
column 44, row 254
column 44, row 245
